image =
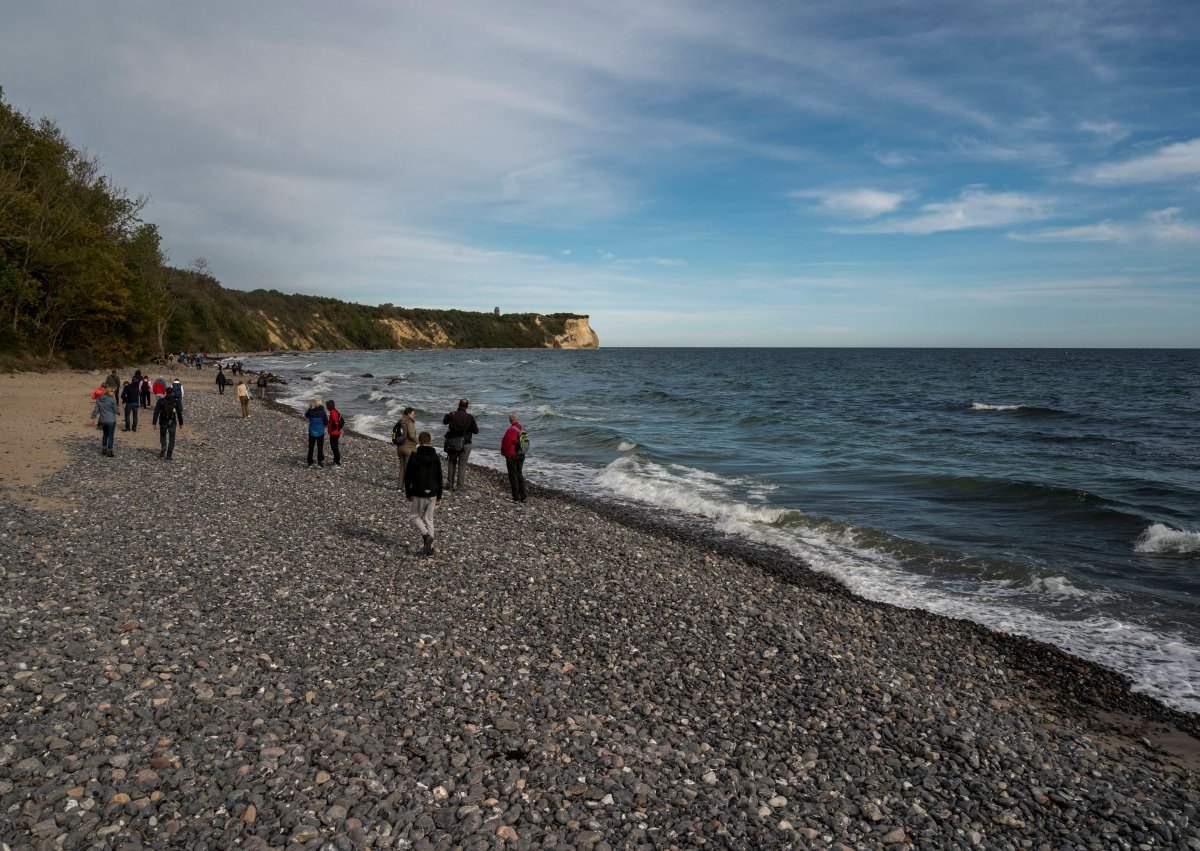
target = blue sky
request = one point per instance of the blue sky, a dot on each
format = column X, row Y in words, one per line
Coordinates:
column 687, row 173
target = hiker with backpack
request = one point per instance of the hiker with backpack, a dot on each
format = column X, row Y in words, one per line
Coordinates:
column 513, row 447
column 104, row 414
column 167, row 414
column 404, row 438
column 423, row 484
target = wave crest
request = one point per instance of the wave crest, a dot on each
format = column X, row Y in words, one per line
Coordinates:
column 1161, row 538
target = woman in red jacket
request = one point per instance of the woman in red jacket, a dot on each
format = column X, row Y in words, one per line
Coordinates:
column 335, row 431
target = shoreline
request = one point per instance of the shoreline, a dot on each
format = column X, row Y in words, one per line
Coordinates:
column 704, row 687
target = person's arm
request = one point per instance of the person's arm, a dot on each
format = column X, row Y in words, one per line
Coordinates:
column 474, row 426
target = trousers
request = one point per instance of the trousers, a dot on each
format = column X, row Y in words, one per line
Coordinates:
column 456, row 467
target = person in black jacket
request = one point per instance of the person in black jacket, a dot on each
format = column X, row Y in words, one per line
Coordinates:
column 167, row 414
column 131, row 395
column 423, row 484
column 458, row 444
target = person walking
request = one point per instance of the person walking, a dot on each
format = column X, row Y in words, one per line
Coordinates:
column 146, row 393
column 221, row 380
column 423, row 486
column 243, row 394
column 404, row 436
column 513, row 447
column 168, row 414
column 262, row 386
column 104, row 413
column 317, row 420
column 458, row 444
column 131, row 397
column 335, row 431
column 160, row 389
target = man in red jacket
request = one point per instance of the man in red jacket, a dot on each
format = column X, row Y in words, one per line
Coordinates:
column 512, row 447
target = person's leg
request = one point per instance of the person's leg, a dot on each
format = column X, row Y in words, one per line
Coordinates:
column 106, row 437
column 428, row 509
column 321, row 451
column 511, row 465
column 134, row 408
column 312, row 444
column 128, row 410
column 170, row 440
column 521, row 477
column 462, row 466
column 333, row 448
column 245, row 407
column 162, row 440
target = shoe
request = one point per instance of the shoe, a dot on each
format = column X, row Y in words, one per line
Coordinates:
column 168, row 457
column 320, row 463
column 428, row 539
column 162, row 453
column 310, row 463
column 125, row 429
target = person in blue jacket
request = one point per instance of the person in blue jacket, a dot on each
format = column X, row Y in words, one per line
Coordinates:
column 318, row 418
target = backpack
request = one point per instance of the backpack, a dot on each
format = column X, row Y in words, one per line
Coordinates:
column 398, row 432
column 166, row 416
column 522, row 446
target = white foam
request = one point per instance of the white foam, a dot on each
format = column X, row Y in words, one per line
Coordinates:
column 1161, row 538
column 1162, row 666
column 626, row 446
column 373, row 425
column 984, row 406
column 548, row 411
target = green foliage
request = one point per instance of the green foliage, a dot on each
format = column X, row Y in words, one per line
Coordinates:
column 82, row 278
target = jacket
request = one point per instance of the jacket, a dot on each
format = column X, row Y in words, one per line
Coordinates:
column 508, row 443
column 423, row 475
column 105, row 410
column 163, row 411
column 131, row 395
column 336, row 422
column 461, row 422
column 316, row 420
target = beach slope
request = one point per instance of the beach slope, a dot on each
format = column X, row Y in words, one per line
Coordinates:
column 233, row 648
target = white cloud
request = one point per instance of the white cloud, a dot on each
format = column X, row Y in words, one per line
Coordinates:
column 854, row 203
column 974, row 208
column 1160, row 226
column 1172, row 162
column 1111, row 131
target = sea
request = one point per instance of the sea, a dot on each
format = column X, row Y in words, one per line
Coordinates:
column 1053, row 494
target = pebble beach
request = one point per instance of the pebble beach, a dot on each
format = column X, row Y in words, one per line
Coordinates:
column 233, row 649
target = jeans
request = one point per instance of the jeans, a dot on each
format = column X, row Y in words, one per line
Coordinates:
column 333, row 447
column 166, row 437
column 107, row 431
column 145, row 398
column 318, row 443
column 516, row 476
column 456, row 468
column 131, row 408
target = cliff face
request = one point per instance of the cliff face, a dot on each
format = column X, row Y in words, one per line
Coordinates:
column 366, row 328
column 578, row 334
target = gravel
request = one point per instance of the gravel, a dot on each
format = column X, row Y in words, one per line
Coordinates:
column 234, row 649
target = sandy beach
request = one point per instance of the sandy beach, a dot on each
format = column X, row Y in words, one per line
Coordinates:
column 233, row 649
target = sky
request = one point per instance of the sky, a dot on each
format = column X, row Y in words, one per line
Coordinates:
column 686, row 172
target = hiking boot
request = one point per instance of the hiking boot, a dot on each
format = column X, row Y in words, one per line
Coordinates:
column 162, row 453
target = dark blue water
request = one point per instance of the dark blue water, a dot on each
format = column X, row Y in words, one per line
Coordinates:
column 1054, row 494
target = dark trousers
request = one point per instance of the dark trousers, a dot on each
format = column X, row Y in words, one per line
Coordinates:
column 107, row 431
column 333, row 447
column 516, row 476
column 166, row 437
column 146, row 398
column 319, row 443
column 221, row 387
column 131, row 409
column 456, row 468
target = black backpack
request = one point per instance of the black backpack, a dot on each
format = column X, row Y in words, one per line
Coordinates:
column 167, row 415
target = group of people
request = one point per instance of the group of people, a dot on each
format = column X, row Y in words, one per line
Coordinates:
column 421, row 470
column 243, row 389
column 135, row 395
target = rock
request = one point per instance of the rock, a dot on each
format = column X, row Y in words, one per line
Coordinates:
column 710, row 777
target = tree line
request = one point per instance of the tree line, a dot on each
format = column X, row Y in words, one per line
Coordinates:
column 85, row 281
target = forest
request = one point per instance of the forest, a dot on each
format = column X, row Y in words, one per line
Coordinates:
column 85, row 280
